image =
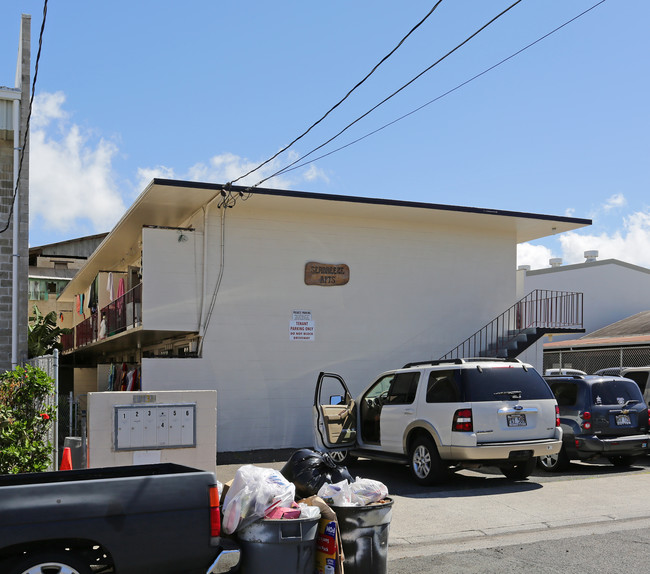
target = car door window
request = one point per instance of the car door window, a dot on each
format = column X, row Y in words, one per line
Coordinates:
column 566, row 394
column 402, row 389
column 442, row 388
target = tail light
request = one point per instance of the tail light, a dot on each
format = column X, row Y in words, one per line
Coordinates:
column 557, row 416
column 586, row 420
column 215, row 514
column 463, row 421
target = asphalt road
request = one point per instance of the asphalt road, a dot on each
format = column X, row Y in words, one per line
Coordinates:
column 591, row 518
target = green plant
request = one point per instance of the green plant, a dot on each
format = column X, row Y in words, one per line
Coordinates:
column 44, row 334
column 25, row 420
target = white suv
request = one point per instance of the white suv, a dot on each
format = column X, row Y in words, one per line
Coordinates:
column 439, row 416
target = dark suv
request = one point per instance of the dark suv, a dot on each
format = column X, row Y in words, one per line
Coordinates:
column 601, row 416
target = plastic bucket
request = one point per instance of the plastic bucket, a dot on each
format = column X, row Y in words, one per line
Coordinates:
column 283, row 546
column 364, row 534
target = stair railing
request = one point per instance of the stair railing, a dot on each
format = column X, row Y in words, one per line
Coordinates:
column 540, row 309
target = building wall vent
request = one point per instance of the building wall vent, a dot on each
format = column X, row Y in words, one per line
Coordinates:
column 591, row 256
column 555, row 262
column 523, row 268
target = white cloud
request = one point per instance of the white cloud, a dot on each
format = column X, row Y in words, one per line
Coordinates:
column 615, row 201
column 71, row 178
column 145, row 175
column 47, row 107
column 228, row 167
column 536, row 256
column 631, row 244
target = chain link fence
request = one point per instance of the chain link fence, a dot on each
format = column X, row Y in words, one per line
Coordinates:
column 592, row 360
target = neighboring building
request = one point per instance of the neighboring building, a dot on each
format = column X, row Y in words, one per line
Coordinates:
column 613, row 289
column 254, row 292
column 625, row 343
column 14, row 241
column 51, row 267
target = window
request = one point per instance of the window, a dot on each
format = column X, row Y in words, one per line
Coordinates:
column 566, row 394
column 442, row 387
column 402, row 389
column 615, row 393
column 493, row 384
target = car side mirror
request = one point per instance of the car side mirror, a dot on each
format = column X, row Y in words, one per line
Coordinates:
column 336, row 399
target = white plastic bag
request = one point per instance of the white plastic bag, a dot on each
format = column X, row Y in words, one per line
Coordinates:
column 366, row 491
column 253, row 493
column 338, row 494
column 307, row 511
column 359, row 493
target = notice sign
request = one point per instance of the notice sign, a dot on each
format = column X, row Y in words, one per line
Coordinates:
column 301, row 326
column 326, row 274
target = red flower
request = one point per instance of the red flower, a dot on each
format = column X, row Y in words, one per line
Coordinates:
column 45, row 416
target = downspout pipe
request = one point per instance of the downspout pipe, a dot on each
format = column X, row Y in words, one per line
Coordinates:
column 206, row 213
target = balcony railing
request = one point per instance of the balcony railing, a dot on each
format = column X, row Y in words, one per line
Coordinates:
column 118, row 316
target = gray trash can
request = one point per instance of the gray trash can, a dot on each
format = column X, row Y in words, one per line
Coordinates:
column 76, row 450
column 278, row 546
column 364, row 534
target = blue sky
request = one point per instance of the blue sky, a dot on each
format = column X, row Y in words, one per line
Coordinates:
column 204, row 90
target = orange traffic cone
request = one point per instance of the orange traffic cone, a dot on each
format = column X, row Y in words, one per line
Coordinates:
column 66, row 461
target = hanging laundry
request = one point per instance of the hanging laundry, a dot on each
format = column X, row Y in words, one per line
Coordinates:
column 109, row 286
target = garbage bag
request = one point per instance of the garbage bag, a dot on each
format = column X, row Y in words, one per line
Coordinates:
column 254, row 492
column 309, row 469
column 362, row 492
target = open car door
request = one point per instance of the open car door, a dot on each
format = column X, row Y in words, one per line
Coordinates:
column 335, row 413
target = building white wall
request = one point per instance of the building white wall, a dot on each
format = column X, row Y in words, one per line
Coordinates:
column 415, row 292
column 171, row 262
column 613, row 290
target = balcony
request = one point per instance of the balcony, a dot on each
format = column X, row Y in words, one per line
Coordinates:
column 118, row 316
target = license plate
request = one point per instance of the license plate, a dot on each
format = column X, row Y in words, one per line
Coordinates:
column 516, row 420
column 623, row 420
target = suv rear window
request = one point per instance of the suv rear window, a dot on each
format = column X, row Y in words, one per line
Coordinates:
column 497, row 383
column 615, row 393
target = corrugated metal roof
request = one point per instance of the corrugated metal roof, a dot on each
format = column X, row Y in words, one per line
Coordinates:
column 638, row 324
column 632, row 330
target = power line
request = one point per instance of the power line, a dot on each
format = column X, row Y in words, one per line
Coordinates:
column 29, row 115
column 391, row 95
column 343, row 99
column 292, row 168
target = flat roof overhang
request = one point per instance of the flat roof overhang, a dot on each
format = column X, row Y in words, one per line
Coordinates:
column 169, row 203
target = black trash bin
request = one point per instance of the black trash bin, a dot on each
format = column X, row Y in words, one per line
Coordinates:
column 278, row 546
column 364, row 534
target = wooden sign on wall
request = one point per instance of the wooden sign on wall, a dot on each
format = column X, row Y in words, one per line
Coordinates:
column 326, row 274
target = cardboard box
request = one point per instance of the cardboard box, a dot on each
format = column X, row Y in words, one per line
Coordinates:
column 329, row 550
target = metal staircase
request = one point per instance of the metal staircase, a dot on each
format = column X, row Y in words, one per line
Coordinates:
column 538, row 313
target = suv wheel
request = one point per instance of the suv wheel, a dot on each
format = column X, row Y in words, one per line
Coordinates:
column 426, row 465
column 554, row 462
column 622, row 460
column 520, row 470
column 342, row 456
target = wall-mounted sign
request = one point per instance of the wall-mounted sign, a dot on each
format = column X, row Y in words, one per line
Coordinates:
column 301, row 326
column 326, row 274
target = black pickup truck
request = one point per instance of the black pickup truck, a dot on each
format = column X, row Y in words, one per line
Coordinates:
column 161, row 518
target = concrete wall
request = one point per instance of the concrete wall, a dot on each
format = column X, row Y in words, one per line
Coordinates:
column 415, row 291
column 101, row 430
